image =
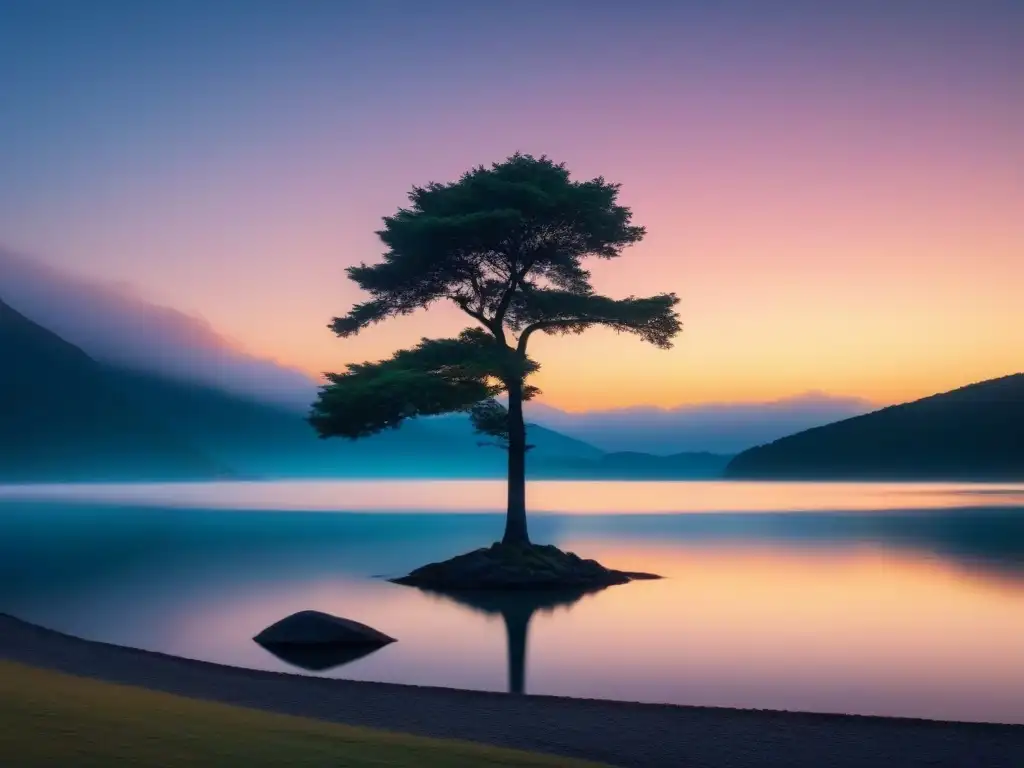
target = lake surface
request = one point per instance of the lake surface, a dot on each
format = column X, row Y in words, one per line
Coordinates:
column 892, row 599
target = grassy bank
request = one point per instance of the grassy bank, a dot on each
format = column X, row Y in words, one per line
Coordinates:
column 48, row 719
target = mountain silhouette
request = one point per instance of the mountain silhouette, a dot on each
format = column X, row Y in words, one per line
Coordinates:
column 266, row 440
column 634, row 465
column 60, row 418
column 68, row 417
column 972, row 433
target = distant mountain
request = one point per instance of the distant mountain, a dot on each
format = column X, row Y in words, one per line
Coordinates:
column 547, row 443
column 265, row 440
column 60, row 418
column 972, row 433
column 630, row 465
column 68, row 417
column 115, row 325
column 722, row 428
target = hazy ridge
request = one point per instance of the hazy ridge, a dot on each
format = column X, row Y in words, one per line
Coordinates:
column 971, row 433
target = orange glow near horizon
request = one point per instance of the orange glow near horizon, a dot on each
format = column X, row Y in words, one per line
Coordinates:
column 885, row 283
column 836, row 196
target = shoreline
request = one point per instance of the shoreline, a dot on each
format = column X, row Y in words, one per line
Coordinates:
column 612, row 732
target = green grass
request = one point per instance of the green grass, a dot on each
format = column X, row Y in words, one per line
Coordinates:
column 52, row 719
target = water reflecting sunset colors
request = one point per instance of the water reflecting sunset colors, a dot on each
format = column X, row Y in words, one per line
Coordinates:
column 564, row 497
column 912, row 610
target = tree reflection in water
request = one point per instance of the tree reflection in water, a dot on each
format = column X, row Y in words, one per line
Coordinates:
column 516, row 609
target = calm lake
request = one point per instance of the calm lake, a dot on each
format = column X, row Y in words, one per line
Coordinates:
column 892, row 599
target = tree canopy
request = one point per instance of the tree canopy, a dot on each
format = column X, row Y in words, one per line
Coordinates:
column 435, row 377
column 505, row 244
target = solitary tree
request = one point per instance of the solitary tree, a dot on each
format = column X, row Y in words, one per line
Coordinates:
column 506, row 245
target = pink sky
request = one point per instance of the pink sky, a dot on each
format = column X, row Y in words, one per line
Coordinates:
column 842, row 211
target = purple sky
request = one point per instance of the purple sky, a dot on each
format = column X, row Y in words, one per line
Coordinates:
column 834, row 189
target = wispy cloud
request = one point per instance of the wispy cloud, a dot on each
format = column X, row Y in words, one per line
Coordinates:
column 114, row 324
column 722, row 428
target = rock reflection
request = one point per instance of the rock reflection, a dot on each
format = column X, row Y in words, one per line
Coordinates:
column 318, row 658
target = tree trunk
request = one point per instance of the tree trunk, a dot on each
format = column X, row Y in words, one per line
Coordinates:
column 515, row 518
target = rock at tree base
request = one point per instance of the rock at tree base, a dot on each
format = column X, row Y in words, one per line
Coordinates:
column 518, row 567
column 313, row 628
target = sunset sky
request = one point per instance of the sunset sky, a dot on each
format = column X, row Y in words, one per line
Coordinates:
column 835, row 190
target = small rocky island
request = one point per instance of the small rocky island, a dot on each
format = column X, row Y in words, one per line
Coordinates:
column 518, row 567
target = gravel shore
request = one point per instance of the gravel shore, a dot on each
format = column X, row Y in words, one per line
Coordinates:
column 616, row 733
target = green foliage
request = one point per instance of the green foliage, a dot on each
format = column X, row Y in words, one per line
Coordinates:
column 565, row 312
column 437, row 376
column 489, row 417
column 505, row 243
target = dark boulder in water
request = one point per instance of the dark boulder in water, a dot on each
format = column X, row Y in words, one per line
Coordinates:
column 317, row 629
column 518, row 567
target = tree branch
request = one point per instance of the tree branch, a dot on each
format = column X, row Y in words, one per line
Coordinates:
column 481, row 300
column 542, row 325
column 652, row 318
column 463, row 303
column 515, row 281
